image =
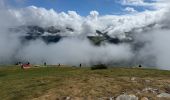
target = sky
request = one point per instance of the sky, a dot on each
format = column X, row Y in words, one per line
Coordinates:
column 83, row 7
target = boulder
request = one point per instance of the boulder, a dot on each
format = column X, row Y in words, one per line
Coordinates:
column 144, row 98
column 164, row 95
column 127, row 97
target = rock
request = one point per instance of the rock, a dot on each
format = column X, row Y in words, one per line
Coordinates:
column 106, row 98
column 150, row 90
column 144, row 98
column 164, row 95
column 133, row 79
column 127, row 97
column 66, row 98
column 148, row 81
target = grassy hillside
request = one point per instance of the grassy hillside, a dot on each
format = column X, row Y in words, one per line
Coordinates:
column 53, row 83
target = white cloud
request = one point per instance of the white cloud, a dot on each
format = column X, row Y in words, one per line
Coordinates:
column 137, row 3
column 116, row 25
column 130, row 10
column 133, row 2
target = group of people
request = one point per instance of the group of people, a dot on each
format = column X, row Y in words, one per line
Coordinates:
column 28, row 65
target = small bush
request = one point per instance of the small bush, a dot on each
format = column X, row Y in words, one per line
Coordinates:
column 101, row 66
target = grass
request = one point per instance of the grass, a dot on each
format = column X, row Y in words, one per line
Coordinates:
column 55, row 82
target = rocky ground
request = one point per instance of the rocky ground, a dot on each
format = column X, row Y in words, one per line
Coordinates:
column 129, row 88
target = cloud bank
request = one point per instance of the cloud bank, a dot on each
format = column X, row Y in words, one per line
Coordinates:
column 149, row 31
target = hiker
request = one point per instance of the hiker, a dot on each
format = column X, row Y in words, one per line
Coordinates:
column 22, row 66
column 45, row 63
column 28, row 63
column 80, row 65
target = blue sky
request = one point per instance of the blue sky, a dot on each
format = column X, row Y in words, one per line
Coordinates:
column 82, row 7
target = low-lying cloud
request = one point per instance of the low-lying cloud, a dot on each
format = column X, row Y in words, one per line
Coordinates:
column 149, row 31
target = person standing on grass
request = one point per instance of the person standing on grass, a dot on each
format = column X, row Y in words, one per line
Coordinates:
column 45, row 63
